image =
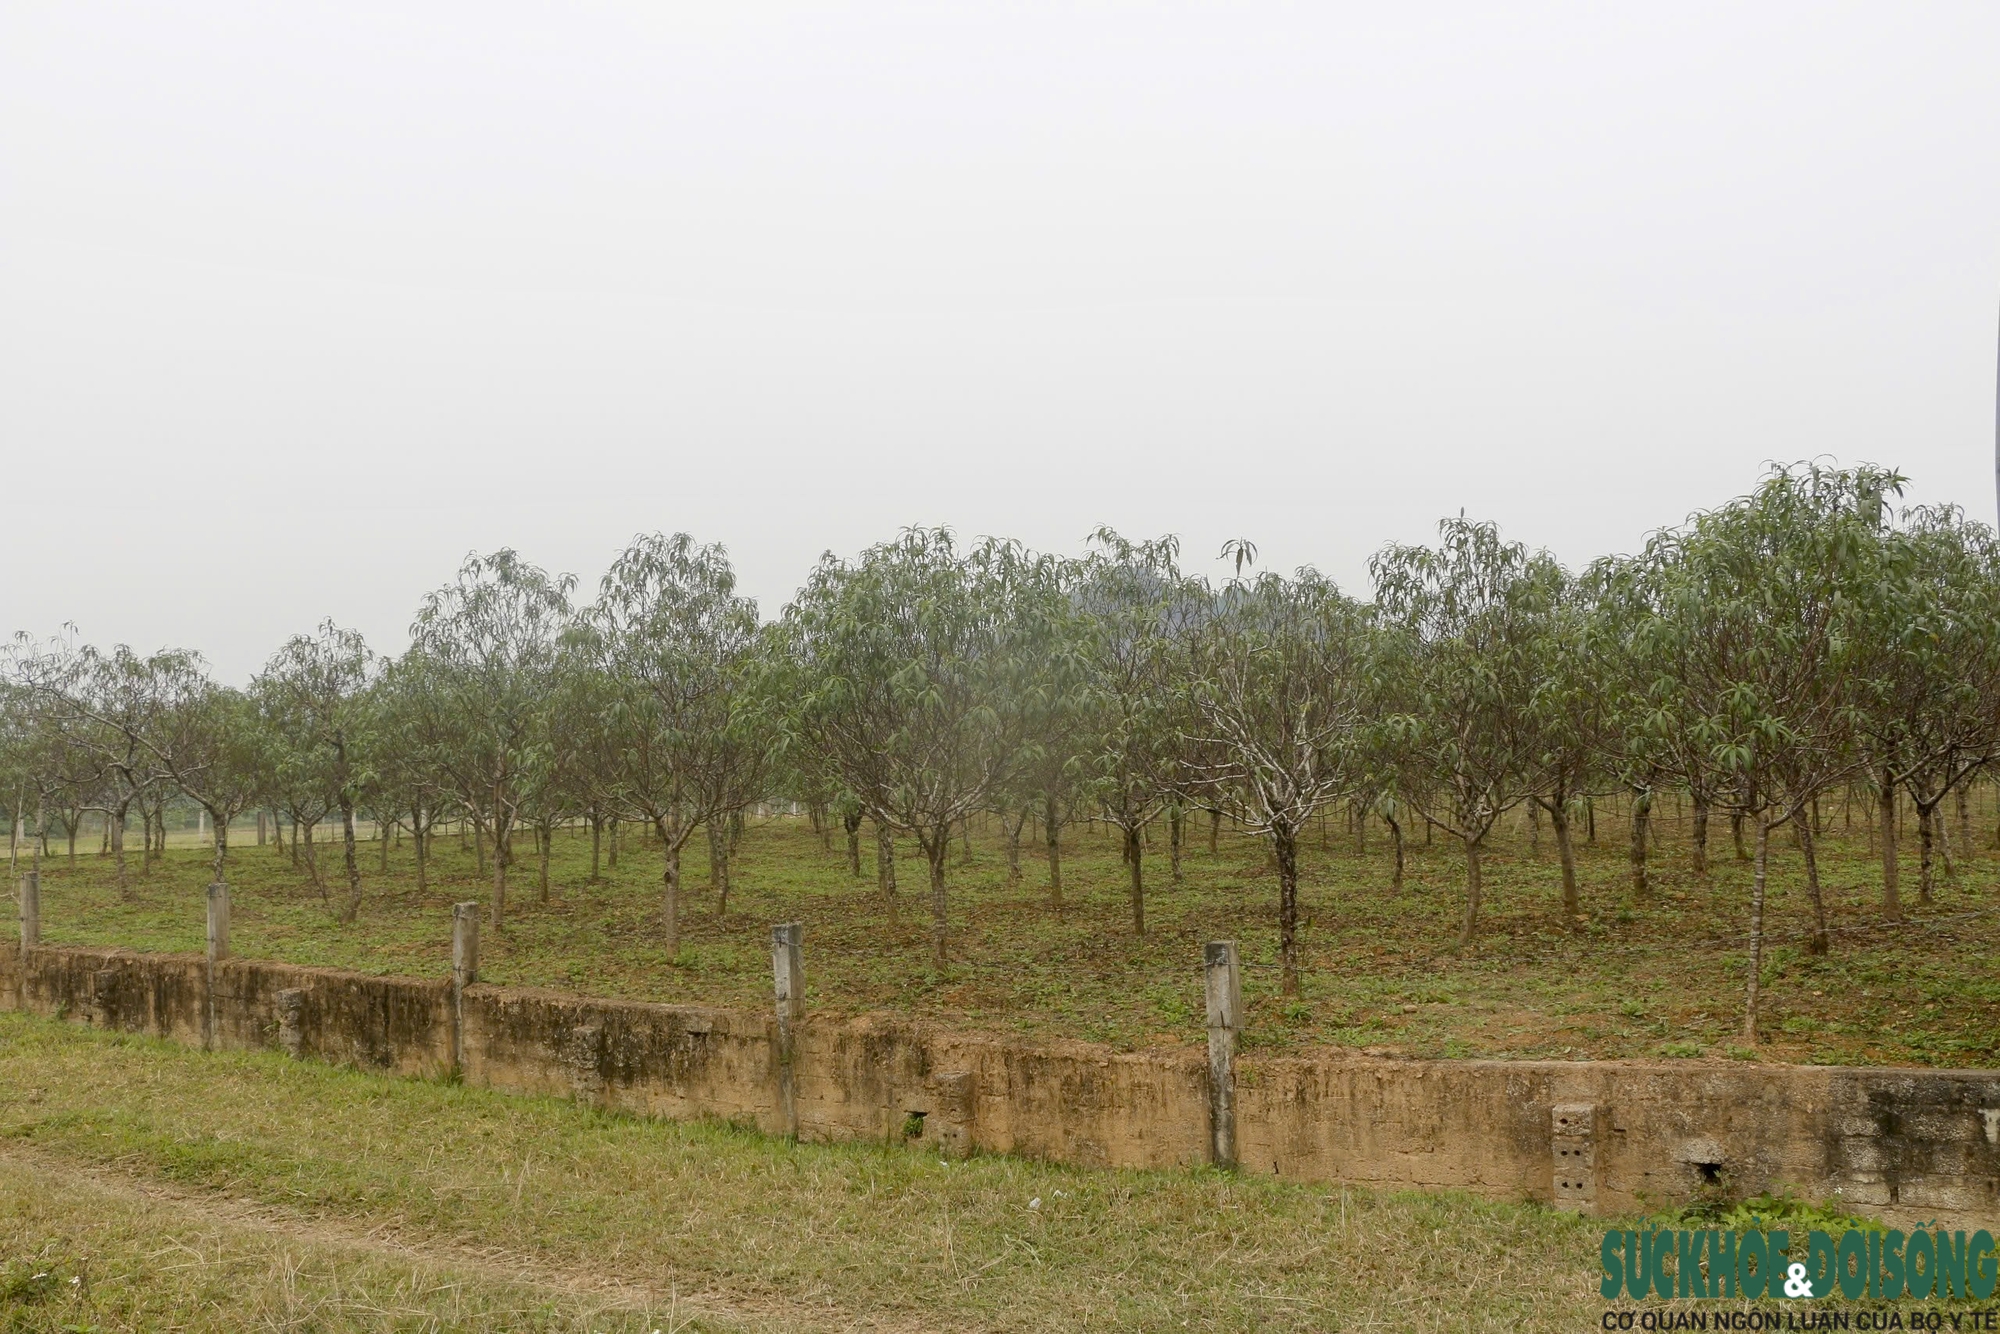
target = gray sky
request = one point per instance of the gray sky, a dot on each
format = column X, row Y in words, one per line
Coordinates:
column 298, row 304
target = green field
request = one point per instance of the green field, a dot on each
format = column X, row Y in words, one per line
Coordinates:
column 1655, row 977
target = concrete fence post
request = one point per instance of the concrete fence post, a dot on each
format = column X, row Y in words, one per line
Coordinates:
column 788, row 971
column 30, row 903
column 1224, row 983
column 218, row 950
column 464, row 944
column 31, row 911
column 218, row 922
column 464, row 972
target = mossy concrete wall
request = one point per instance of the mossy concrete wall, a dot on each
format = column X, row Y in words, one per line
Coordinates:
column 1606, row 1136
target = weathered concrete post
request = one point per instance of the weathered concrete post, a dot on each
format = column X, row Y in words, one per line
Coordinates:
column 218, row 950
column 788, row 970
column 1225, row 1016
column 31, row 911
column 464, row 972
column 30, row 903
column 218, row 922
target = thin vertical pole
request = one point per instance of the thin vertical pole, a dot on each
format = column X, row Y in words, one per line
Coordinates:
column 1224, row 983
column 218, row 950
column 31, row 910
column 30, row 902
column 789, row 976
column 464, row 972
column 218, row 922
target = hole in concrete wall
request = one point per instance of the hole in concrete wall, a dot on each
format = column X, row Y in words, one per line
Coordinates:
column 1710, row 1173
column 913, row 1125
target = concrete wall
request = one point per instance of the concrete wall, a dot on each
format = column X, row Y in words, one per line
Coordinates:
column 1603, row 1136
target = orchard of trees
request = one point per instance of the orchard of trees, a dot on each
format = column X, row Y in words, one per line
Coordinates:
column 1810, row 638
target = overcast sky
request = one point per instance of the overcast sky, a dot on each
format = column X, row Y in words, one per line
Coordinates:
column 298, row 304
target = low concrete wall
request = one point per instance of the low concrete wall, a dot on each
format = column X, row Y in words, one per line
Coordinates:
column 1606, row 1136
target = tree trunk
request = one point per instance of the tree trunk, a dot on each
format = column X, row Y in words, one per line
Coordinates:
column 478, row 847
column 670, row 894
column 117, row 822
column 349, row 863
column 1052, row 832
column 1284, row 843
column 1214, row 828
column 718, row 866
column 499, row 867
column 1885, row 811
column 353, row 867
column 851, row 822
column 1396, row 840
column 1013, row 826
column 1472, row 888
column 596, row 848
column 1736, row 833
column 1590, row 821
column 936, row 847
column 1700, row 840
column 1566, row 854
column 382, row 831
column 307, row 848
column 419, row 836
column 544, row 836
column 1818, row 941
column 1138, row 885
column 1756, row 934
column 965, row 841
column 1534, row 829
column 1175, row 822
column 1926, row 851
column 885, row 867
column 1642, row 811
column 1964, row 817
column 221, row 846
column 611, row 851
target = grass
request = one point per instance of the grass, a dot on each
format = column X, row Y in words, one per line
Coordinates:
column 82, row 1254
column 1657, row 978
column 239, row 1190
